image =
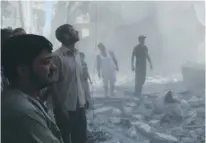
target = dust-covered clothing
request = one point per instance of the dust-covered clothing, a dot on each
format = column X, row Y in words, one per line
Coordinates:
column 107, row 70
column 68, row 94
column 68, row 91
column 25, row 120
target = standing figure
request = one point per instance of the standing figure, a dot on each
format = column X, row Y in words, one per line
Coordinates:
column 67, row 92
column 140, row 52
column 107, row 66
column 86, row 77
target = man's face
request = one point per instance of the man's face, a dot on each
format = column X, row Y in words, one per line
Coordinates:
column 142, row 41
column 41, row 73
column 101, row 48
column 71, row 37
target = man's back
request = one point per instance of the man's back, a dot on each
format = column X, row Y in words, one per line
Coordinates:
column 25, row 120
column 140, row 52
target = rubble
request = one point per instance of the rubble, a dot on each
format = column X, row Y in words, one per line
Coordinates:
column 163, row 138
column 162, row 120
column 193, row 75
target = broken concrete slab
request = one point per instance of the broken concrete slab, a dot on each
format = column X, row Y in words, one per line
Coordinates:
column 154, row 123
column 138, row 116
column 125, row 123
column 165, row 101
column 132, row 132
column 164, row 138
column 194, row 101
column 191, row 117
column 185, row 105
column 115, row 120
column 187, row 140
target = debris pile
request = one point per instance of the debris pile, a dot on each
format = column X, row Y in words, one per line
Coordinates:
column 164, row 119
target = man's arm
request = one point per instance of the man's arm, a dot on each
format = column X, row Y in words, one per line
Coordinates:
column 148, row 58
column 98, row 65
column 89, row 76
column 87, row 72
column 132, row 59
column 114, row 59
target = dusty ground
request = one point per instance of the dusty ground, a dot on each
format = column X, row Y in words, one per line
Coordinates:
column 124, row 118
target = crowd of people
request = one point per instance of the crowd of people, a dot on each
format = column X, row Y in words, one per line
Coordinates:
column 31, row 74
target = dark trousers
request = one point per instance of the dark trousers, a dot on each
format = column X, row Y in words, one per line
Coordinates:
column 72, row 124
column 139, row 82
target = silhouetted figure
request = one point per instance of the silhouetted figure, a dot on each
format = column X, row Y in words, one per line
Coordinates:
column 86, row 77
column 140, row 53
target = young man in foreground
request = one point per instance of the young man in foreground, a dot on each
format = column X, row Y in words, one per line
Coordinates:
column 26, row 61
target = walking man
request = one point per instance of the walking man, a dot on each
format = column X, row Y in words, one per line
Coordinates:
column 107, row 66
column 140, row 53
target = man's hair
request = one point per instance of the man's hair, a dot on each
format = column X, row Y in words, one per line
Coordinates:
column 17, row 30
column 61, row 30
column 142, row 37
column 22, row 49
column 5, row 34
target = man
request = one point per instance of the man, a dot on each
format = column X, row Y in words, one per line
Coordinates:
column 67, row 92
column 19, row 31
column 107, row 66
column 86, row 77
column 140, row 52
column 26, row 60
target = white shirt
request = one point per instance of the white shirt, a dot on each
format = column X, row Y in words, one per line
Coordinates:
column 68, row 91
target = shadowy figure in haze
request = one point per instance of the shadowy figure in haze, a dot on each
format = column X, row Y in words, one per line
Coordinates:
column 26, row 60
column 86, row 77
column 140, row 53
column 19, row 31
column 68, row 91
column 107, row 66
